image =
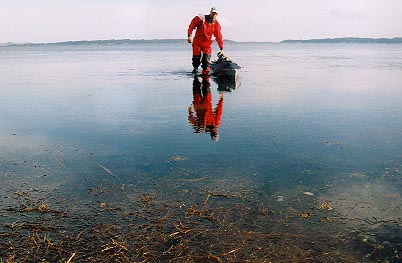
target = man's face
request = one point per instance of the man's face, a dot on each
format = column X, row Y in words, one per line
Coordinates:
column 214, row 15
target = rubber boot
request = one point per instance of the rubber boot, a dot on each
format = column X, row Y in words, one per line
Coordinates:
column 196, row 63
column 206, row 61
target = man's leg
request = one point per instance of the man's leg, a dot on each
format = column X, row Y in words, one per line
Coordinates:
column 196, row 58
column 206, row 59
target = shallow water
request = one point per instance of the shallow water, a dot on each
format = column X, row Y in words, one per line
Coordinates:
column 97, row 148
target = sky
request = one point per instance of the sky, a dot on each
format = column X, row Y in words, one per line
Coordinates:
column 44, row 21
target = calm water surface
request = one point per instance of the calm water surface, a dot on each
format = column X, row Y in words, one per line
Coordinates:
column 96, row 148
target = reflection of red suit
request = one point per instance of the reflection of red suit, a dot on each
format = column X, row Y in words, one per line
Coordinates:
column 205, row 118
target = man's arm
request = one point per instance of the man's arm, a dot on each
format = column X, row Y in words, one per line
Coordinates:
column 218, row 35
column 193, row 25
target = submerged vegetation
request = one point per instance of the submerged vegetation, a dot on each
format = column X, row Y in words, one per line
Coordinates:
column 183, row 219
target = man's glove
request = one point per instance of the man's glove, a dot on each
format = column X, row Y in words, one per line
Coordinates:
column 221, row 55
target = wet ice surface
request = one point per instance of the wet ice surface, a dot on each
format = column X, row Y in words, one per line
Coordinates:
column 97, row 149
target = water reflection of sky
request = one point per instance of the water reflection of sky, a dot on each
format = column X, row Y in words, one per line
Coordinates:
column 296, row 94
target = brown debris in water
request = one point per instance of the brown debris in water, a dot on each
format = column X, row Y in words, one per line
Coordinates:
column 325, row 206
column 211, row 226
column 42, row 207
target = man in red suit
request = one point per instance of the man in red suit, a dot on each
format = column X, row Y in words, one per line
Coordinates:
column 206, row 26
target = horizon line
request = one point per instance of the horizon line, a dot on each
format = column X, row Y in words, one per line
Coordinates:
column 184, row 39
column 125, row 39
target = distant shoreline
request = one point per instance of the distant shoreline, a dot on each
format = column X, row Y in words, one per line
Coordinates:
column 348, row 40
column 395, row 40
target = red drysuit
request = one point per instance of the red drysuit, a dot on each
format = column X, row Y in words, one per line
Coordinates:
column 206, row 27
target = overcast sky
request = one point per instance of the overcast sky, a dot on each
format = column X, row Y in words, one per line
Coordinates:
column 251, row 20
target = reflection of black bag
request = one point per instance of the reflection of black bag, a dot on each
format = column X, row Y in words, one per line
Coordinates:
column 227, row 83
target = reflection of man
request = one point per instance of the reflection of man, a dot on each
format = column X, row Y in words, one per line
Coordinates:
column 200, row 114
